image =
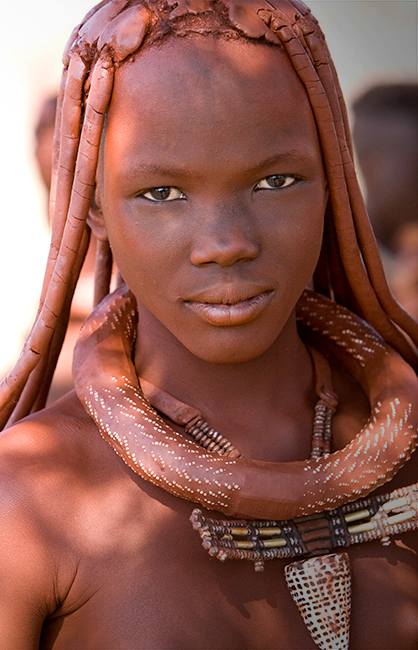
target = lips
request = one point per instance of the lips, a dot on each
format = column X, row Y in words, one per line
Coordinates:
column 224, row 309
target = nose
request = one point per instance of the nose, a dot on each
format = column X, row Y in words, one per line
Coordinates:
column 227, row 235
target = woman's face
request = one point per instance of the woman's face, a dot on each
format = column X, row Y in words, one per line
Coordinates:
column 212, row 191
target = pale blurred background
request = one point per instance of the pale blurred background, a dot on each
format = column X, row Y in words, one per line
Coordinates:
column 371, row 41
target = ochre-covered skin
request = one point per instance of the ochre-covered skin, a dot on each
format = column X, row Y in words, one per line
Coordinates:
column 215, row 139
column 109, row 560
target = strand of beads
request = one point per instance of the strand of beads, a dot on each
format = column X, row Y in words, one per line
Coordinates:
column 362, row 521
column 210, row 439
column 321, row 436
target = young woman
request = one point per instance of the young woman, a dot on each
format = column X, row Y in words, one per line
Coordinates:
column 214, row 139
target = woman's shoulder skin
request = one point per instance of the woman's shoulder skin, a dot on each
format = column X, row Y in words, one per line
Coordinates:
column 55, row 475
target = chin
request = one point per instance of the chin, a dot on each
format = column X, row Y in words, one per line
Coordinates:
column 222, row 352
column 227, row 357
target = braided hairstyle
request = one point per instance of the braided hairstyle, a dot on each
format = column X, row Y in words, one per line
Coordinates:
column 349, row 269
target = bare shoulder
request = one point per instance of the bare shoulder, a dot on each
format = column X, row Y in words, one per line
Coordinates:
column 47, row 476
column 38, row 453
column 48, row 448
column 52, row 463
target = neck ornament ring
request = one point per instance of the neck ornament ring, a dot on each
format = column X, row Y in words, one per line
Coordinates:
column 108, row 387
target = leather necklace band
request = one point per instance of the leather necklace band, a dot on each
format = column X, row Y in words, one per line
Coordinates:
column 107, row 385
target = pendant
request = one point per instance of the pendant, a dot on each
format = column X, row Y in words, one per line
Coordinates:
column 321, row 589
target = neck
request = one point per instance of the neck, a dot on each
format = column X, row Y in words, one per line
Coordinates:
column 274, row 392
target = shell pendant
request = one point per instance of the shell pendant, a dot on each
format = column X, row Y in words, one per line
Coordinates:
column 321, row 589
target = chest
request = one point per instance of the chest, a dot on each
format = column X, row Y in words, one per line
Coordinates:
column 156, row 588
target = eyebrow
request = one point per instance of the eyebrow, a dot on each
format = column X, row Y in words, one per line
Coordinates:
column 290, row 154
column 149, row 168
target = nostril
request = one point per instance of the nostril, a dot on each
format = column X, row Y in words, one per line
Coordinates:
column 224, row 251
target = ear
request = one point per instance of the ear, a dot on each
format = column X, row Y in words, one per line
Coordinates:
column 95, row 219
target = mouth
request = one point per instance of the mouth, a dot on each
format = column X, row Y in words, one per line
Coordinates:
column 229, row 311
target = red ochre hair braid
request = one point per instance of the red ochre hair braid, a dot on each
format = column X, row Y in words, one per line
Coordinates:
column 351, row 271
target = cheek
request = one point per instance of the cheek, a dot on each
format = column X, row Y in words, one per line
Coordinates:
column 295, row 233
column 146, row 250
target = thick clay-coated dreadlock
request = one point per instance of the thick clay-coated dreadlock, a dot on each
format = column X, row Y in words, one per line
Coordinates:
column 114, row 30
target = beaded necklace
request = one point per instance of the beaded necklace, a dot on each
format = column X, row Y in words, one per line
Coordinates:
column 377, row 517
column 195, row 426
column 320, row 585
column 203, row 472
column 328, row 598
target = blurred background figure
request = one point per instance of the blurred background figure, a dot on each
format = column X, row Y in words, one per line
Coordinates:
column 386, row 142
column 44, row 137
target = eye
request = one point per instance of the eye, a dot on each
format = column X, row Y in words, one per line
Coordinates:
column 277, row 181
column 162, row 194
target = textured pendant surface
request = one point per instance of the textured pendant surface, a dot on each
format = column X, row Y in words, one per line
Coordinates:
column 321, row 588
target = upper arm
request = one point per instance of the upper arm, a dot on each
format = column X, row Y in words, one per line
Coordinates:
column 32, row 550
column 26, row 573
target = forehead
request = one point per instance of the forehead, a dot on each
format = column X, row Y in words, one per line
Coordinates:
column 188, row 66
column 188, row 90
